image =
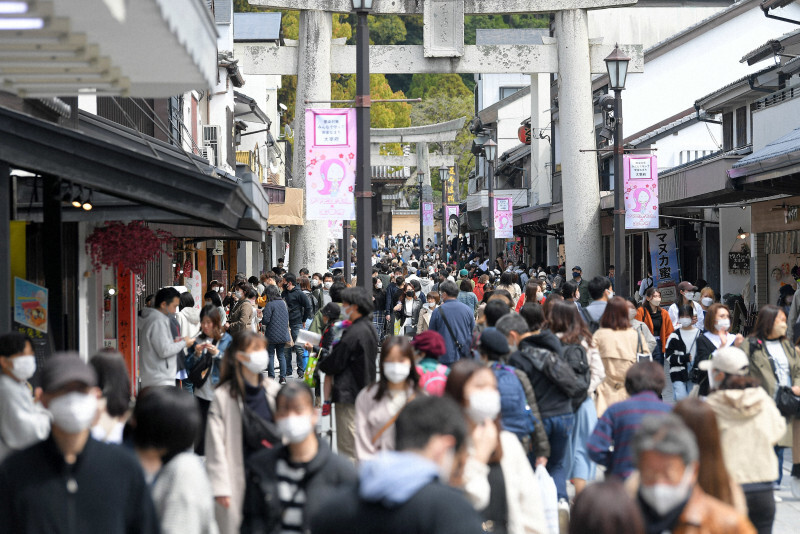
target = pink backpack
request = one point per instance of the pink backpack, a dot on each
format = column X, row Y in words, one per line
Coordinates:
column 433, row 382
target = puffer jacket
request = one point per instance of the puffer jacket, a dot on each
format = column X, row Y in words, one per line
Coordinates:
column 550, row 398
column 275, row 319
column 749, row 426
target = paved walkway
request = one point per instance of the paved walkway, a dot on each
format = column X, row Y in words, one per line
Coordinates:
column 787, row 517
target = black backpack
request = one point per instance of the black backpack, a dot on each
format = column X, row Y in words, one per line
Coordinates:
column 556, row 369
column 591, row 323
column 575, row 355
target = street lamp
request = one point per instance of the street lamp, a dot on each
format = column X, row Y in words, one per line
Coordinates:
column 490, row 150
column 420, row 181
column 363, row 191
column 617, row 66
column 443, row 171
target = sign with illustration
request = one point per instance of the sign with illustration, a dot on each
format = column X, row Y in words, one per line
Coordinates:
column 664, row 257
column 194, row 284
column 427, row 214
column 503, row 217
column 30, row 304
column 330, row 164
column 451, row 213
column 641, row 192
column 335, row 229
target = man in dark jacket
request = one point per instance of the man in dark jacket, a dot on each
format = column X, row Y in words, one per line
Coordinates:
column 554, row 404
column 70, row 482
column 455, row 321
column 393, row 293
column 406, row 490
column 352, row 364
column 300, row 311
column 286, row 485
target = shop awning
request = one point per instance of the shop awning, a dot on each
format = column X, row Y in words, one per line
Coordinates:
column 779, row 158
column 246, row 109
column 131, row 175
column 290, row 213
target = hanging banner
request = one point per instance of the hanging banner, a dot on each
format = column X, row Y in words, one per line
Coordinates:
column 664, row 257
column 641, row 192
column 194, row 284
column 427, row 214
column 330, row 164
column 335, row 229
column 452, row 220
column 503, row 217
column 451, row 186
column 30, row 304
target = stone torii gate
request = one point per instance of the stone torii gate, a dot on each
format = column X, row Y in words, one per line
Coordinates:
column 571, row 55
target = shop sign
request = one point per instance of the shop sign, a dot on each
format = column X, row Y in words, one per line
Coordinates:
column 330, row 164
column 194, row 284
column 30, row 305
column 452, row 220
column 427, row 214
column 524, row 134
column 451, row 186
column 641, row 192
column 739, row 257
column 503, row 217
column 664, row 257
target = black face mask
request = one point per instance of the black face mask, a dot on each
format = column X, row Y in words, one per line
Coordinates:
column 409, row 293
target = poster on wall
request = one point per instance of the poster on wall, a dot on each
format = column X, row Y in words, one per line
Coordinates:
column 335, row 229
column 330, row 164
column 641, row 192
column 195, row 286
column 30, row 305
column 452, row 220
column 739, row 257
column 427, row 214
column 503, row 217
column 664, row 257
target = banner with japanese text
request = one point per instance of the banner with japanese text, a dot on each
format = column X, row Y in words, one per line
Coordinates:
column 452, row 220
column 503, row 217
column 335, row 229
column 451, row 186
column 664, row 257
column 330, row 164
column 641, row 192
column 427, row 214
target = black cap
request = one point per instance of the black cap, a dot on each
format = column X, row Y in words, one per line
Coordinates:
column 577, row 268
column 687, row 286
column 64, row 368
column 493, row 341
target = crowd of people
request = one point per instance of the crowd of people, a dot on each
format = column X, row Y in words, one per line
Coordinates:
column 463, row 399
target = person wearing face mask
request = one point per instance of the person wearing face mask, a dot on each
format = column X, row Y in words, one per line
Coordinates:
column 601, row 292
column 352, row 364
column 533, row 293
column 162, row 429
column 716, row 336
column 157, row 345
column 750, row 426
column 23, row 422
column 707, row 297
column 686, row 296
column 71, row 482
column 327, row 282
column 497, row 477
column 244, row 312
column 639, row 326
column 300, row 472
column 466, row 296
column 668, row 495
column 658, row 321
column 378, row 405
column 379, row 299
column 775, row 363
column 114, row 405
column 583, row 286
column 240, row 423
column 432, row 302
column 212, row 298
column 407, row 490
column 406, row 312
column 681, row 353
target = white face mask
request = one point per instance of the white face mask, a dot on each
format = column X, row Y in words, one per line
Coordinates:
column 327, row 285
column 23, row 367
column 610, row 294
column 378, row 285
column 295, row 428
column 239, row 294
column 344, row 315
column 396, row 372
column 706, row 301
column 665, row 497
column 483, row 404
column 722, row 324
column 631, row 315
column 685, row 322
column 315, row 283
column 258, row 361
column 431, row 305
column 656, row 302
column 689, row 295
column 539, row 297
column 73, row 412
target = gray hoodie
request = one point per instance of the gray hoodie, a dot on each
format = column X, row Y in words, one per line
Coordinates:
column 157, row 350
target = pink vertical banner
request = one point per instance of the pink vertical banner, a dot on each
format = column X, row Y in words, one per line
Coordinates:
column 427, row 214
column 452, row 221
column 503, row 217
column 641, row 192
column 335, row 229
column 330, row 164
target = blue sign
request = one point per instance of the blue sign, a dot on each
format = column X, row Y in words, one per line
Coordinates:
column 664, row 257
column 30, row 304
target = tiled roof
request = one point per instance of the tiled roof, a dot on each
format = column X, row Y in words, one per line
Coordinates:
column 734, row 83
column 783, row 145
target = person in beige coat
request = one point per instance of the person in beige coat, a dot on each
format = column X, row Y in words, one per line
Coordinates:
column 425, row 313
column 378, row 405
column 619, row 345
column 242, row 387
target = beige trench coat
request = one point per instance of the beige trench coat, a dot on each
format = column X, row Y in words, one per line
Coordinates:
column 225, row 455
column 618, row 349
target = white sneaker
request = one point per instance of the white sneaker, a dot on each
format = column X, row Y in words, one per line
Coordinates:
column 777, row 499
column 795, row 483
column 563, row 516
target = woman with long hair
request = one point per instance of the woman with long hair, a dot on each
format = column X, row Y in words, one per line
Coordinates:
column 507, row 282
column 658, row 321
column 240, row 423
column 114, row 405
column 466, row 296
column 619, row 347
column 712, row 476
column 686, row 295
column 565, row 322
column 433, row 300
column 533, row 293
column 496, row 475
column 775, row 362
column 378, row 405
column 716, row 336
column 406, row 311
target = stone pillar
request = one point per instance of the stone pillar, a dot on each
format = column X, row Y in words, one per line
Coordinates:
column 309, row 243
column 427, row 190
column 541, row 186
column 579, row 178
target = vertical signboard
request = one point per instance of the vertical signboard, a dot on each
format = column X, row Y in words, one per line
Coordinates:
column 330, row 164
column 126, row 325
column 664, row 262
column 450, row 186
column 427, row 214
column 452, row 221
column 503, row 217
column 641, row 192
column 335, row 229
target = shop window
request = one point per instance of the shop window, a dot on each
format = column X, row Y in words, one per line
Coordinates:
column 508, row 91
column 727, row 131
column 741, row 126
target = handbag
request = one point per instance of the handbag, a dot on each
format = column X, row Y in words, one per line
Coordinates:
column 641, row 356
column 290, row 343
column 785, row 400
column 256, row 432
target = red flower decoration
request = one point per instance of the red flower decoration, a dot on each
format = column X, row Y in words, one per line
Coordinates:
column 313, row 162
column 127, row 247
column 350, row 189
column 351, row 155
column 341, row 156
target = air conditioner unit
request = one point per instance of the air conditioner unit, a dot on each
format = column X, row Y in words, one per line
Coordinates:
column 209, row 154
column 211, row 137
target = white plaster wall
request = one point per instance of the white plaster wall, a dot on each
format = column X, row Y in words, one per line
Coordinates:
column 490, row 84
column 699, row 137
column 774, row 122
column 730, row 220
column 508, row 122
column 645, row 26
column 672, row 82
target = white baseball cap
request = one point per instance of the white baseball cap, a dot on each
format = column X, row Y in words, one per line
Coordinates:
column 729, row 360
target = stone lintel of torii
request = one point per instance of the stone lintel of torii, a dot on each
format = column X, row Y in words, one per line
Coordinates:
column 572, row 56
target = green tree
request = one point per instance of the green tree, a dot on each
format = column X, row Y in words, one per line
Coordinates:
column 427, row 85
column 386, row 30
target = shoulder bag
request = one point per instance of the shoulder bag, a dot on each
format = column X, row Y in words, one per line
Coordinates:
column 456, row 342
column 786, row 401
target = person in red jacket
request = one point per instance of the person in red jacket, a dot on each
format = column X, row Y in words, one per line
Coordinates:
column 657, row 320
